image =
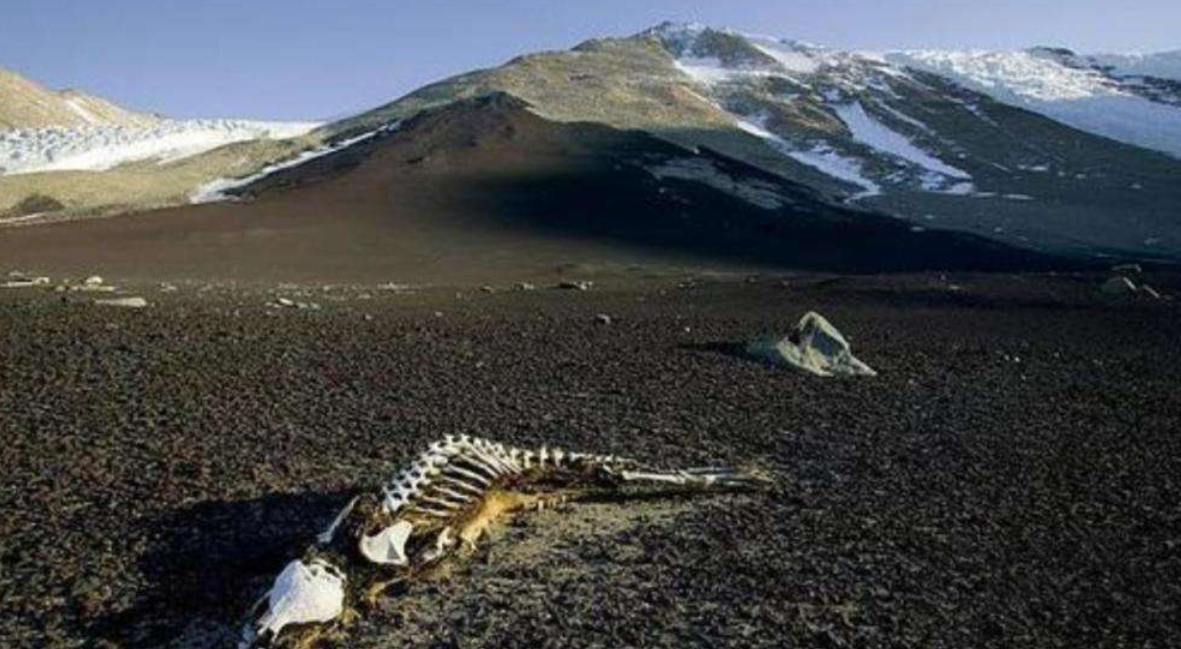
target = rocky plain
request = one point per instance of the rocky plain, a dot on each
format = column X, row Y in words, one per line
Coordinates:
column 1008, row 479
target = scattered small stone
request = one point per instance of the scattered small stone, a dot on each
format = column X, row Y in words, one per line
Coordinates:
column 1134, row 269
column 288, row 303
column 167, row 288
column 124, row 302
column 94, row 284
column 814, row 346
column 524, row 286
column 580, row 285
column 395, row 288
column 487, row 289
column 603, row 319
column 25, row 282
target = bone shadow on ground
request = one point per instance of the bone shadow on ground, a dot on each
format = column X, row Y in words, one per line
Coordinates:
column 208, row 560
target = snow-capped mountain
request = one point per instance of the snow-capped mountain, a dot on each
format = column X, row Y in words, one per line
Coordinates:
column 878, row 130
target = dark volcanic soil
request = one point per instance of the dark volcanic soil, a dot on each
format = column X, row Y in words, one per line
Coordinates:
column 1010, row 480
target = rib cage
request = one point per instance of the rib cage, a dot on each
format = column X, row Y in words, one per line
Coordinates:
column 455, row 472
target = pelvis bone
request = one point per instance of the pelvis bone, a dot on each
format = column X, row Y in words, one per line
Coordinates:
column 440, row 504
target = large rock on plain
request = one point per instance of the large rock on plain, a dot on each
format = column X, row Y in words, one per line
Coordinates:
column 1119, row 286
column 814, row 346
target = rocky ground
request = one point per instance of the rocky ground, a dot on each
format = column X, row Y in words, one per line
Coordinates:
column 1009, row 480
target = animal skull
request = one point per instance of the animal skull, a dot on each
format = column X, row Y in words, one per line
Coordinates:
column 303, row 593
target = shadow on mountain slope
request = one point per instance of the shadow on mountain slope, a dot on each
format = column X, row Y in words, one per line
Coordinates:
column 485, row 189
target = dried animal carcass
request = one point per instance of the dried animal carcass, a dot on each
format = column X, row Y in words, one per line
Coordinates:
column 440, row 505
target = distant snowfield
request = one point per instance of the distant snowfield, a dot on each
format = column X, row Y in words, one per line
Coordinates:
column 98, row 148
column 1165, row 65
column 1102, row 94
column 1080, row 97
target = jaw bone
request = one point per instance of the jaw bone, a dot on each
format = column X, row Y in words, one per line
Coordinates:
column 303, row 593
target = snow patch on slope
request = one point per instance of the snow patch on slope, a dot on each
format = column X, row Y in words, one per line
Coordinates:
column 221, row 189
column 869, row 131
column 77, row 107
column 820, row 157
column 98, row 148
column 793, row 58
column 704, row 70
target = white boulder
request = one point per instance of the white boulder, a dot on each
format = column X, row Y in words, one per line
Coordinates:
column 1119, row 286
column 814, row 346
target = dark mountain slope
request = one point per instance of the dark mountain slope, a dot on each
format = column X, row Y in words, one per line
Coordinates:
column 485, row 189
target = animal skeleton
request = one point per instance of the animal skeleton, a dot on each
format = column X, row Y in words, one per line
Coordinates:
column 441, row 504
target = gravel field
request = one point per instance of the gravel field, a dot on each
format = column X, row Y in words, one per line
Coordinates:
column 1011, row 479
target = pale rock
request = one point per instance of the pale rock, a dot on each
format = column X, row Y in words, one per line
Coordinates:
column 124, row 302
column 814, row 346
column 1118, row 286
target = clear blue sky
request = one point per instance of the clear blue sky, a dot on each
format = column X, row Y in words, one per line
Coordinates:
column 314, row 59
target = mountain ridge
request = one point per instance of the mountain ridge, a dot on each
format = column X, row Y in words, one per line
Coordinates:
column 27, row 104
column 893, row 136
